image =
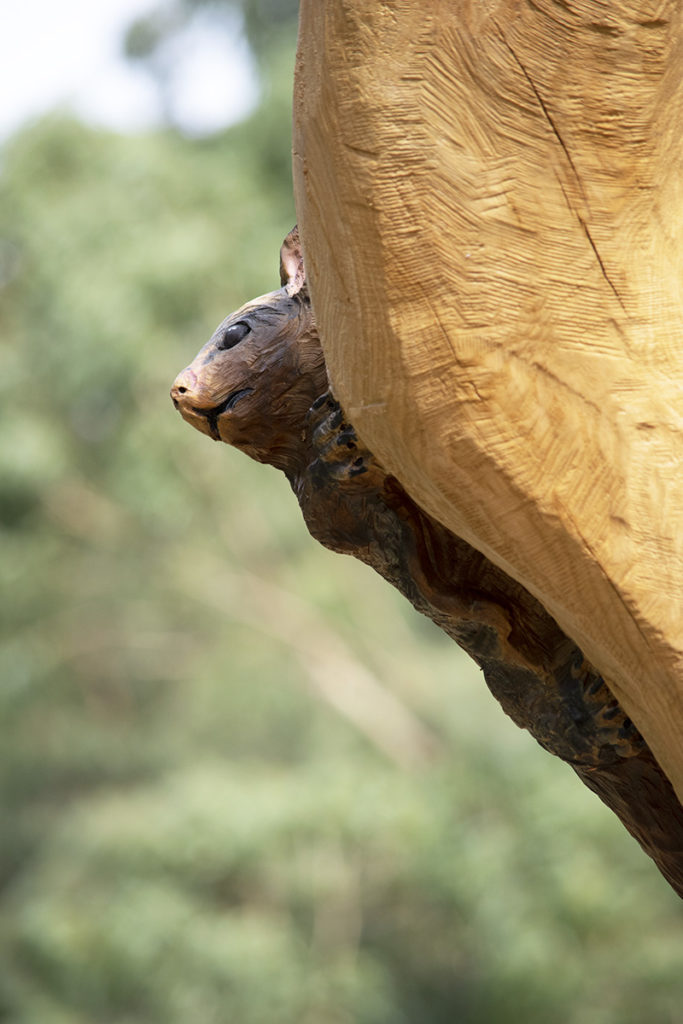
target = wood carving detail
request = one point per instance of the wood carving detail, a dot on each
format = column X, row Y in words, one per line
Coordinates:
column 489, row 197
column 260, row 384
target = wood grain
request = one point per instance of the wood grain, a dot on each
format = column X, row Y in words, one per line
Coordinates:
column 490, row 199
column 260, row 384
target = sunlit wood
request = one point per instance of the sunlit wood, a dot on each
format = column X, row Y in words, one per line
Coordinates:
column 490, row 198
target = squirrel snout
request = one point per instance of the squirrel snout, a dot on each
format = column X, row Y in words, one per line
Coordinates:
column 183, row 387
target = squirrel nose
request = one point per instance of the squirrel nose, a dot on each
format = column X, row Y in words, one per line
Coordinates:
column 183, row 387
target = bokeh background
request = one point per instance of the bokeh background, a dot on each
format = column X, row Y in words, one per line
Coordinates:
column 241, row 781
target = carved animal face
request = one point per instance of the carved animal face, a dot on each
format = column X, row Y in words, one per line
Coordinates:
column 253, row 382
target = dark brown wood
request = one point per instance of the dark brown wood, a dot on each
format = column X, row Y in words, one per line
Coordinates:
column 260, row 384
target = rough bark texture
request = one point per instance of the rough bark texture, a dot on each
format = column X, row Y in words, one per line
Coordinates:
column 260, row 383
column 490, row 200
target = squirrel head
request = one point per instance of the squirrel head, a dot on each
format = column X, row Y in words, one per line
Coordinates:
column 253, row 382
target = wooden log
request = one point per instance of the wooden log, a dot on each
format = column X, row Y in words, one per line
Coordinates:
column 260, row 384
column 489, row 196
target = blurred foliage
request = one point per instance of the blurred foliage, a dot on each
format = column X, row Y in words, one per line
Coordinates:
column 241, row 781
column 267, row 23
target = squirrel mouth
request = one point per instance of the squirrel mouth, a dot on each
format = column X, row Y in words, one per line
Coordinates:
column 212, row 415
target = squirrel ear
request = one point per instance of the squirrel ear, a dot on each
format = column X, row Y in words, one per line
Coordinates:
column 292, row 273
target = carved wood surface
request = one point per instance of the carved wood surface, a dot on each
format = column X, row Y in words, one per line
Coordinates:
column 260, row 384
column 490, row 201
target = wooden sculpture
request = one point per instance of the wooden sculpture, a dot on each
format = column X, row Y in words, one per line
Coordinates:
column 261, row 384
column 490, row 198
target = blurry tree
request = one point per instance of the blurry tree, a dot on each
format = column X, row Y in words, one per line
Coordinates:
column 270, row 27
column 266, row 23
column 220, row 801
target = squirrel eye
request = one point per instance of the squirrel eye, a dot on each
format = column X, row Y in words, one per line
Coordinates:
column 233, row 335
